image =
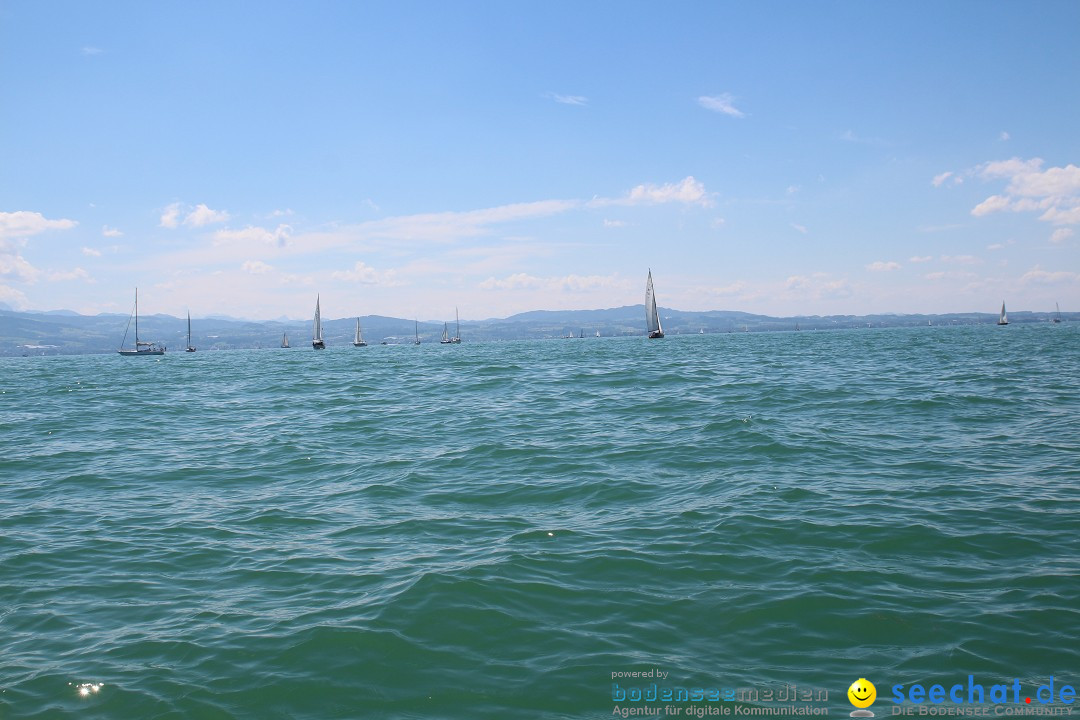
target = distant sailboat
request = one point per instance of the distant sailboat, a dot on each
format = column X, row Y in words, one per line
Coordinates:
column 190, row 347
column 416, row 332
column 652, row 319
column 358, row 341
column 445, row 336
column 582, row 335
column 457, row 329
column 1003, row 319
column 316, row 329
column 141, row 348
column 597, row 333
column 1057, row 318
column 285, row 340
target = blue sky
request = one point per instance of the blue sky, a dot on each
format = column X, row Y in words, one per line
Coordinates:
column 404, row 158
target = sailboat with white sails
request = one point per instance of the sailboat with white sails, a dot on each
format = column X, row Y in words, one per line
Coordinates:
column 652, row 319
column 285, row 339
column 316, row 330
column 141, row 347
column 358, row 341
column 1003, row 319
column 190, row 347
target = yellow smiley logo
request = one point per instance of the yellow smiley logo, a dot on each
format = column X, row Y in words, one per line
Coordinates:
column 862, row 694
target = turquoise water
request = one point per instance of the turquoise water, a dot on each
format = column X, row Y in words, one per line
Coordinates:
column 492, row 530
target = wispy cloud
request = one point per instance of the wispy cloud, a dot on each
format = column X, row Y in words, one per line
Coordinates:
column 107, row 231
column 614, row 223
column 91, row 50
column 199, row 216
column 883, row 266
column 851, row 137
column 23, row 223
column 256, row 267
column 1038, row 276
column 961, row 259
column 278, row 237
column 567, row 283
column 799, row 228
column 920, row 258
column 819, row 286
column 91, row 252
column 940, row 180
column 723, row 104
column 688, row 192
column 1003, row 136
column 74, row 274
column 1060, row 235
column 364, row 274
column 567, row 99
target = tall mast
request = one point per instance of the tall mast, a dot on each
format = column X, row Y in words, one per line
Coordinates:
column 136, row 318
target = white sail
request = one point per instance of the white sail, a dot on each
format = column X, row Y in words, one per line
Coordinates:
column 1003, row 319
column 652, row 318
column 316, row 329
column 445, row 334
column 358, row 341
column 284, row 339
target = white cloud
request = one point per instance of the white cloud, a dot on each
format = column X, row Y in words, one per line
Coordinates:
column 13, row 297
column 202, row 215
column 688, row 191
column 939, row 180
column 1061, row 235
column 717, row 223
column 792, row 189
column 1038, row 276
column 961, row 259
column 568, row 99
column 568, row 283
column 107, row 231
column 366, row 275
column 171, row 217
column 23, row 223
column 91, row 252
column 920, row 259
column 276, row 238
column 882, row 266
column 75, row 274
column 13, row 266
column 800, row 228
column 819, row 286
column 90, row 50
column 1054, row 191
column 1003, row 136
column 256, row 267
column 950, row 275
column 614, row 223
column 723, row 103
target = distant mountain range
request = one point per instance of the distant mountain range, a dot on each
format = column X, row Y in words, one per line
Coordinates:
column 68, row 333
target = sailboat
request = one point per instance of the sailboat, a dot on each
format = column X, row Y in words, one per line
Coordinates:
column 190, row 347
column 141, row 347
column 445, row 336
column 1003, row 319
column 597, row 333
column 316, row 330
column 1057, row 318
column 284, row 339
column 416, row 331
column 457, row 329
column 358, row 341
column 652, row 319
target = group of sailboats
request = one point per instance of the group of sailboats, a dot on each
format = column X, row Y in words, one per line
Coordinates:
column 446, row 339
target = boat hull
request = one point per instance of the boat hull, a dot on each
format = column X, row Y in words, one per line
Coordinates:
column 656, row 335
column 141, row 352
column 359, row 344
column 318, row 345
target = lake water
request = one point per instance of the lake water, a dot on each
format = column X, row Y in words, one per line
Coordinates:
column 493, row 530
